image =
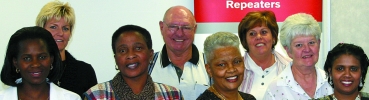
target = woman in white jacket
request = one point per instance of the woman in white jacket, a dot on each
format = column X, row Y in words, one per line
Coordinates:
column 31, row 64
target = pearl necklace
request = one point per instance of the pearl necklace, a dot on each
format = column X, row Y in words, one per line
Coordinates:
column 357, row 97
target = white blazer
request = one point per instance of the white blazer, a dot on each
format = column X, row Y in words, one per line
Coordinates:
column 56, row 93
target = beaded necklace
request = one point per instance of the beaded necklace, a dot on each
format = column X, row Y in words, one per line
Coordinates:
column 357, row 97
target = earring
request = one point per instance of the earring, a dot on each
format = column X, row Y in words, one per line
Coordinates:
column 18, row 81
column 17, row 70
column 330, row 80
column 51, row 67
column 116, row 67
column 361, row 82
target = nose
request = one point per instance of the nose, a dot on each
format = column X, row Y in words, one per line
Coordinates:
column 258, row 36
column 231, row 69
column 131, row 55
column 35, row 63
column 307, row 48
column 179, row 32
column 59, row 32
column 347, row 73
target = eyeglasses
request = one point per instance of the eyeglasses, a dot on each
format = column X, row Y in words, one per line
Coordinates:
column 174, row 28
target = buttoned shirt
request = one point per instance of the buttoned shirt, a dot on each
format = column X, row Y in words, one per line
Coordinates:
column 285, row 87
column 256, row 80
column 194, row 79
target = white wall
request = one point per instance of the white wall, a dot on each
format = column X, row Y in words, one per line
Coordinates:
column 96, row 20
column 349, row 22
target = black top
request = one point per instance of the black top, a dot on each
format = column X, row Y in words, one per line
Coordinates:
column 78, row 76
column 208, row 95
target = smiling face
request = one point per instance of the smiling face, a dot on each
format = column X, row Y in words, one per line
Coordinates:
column 181, row 38
column 60, row 30
column 132, row 54
column 259, row 40
column 226, row 68
column 304, row 51
column 33, row 61
column 346, row 74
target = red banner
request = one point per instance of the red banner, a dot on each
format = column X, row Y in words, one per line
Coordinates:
column 234, row 10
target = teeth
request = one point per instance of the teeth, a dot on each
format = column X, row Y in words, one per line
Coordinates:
column 59, row 40
column 36, row 73
column 346, row 82
column 179, row 40
column 306, row 56
column 231, row 78
column 132, row 65
column 260, row 44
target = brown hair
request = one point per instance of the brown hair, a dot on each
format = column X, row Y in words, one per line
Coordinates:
column 258, row 18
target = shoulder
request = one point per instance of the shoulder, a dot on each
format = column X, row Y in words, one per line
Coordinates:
column 73, row 61
column 57, row 92
column 9, row 93
column 364, row 95
column 106, row 86
column 329, row 97
column 246, row 96
column 167, row 89
column 207, row 95
column 284, row 59
column 101, row 89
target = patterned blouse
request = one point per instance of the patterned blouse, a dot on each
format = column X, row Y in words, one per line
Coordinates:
column 364, row 96
column 118, row 89
column 285, row 87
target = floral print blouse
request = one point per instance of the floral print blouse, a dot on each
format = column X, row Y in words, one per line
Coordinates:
column 284, row 87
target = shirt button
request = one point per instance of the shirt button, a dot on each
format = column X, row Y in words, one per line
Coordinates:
column 267, row 71
column 262, row 83
column 181, row 78
column 262, row 76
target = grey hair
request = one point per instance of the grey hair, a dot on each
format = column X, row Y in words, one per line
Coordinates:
column 218, row 40
column 300, row 24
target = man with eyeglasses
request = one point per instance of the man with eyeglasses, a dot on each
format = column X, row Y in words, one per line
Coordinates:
column 179, row 63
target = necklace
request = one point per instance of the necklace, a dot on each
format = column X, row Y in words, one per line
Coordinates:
column 357, row 97
column 218, row 94
column 65, row 66
column 221, row 96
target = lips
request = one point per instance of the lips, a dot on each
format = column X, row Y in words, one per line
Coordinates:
column 232, row 79
column 132, row 66
column 307, row 56
column 260, row 44
column 346, row 82
column 35, row 74
column 58, row 40
column 178, row 40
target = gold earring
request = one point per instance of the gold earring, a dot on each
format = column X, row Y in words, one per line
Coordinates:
column 17, row 70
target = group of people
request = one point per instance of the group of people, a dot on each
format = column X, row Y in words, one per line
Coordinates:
column 38, row 67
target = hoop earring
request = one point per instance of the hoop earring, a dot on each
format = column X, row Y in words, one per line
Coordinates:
column 51, row 67
column 17, row 70
column 330, row 80
column 361, row 82
column 116, row 67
